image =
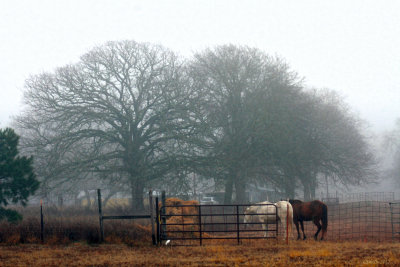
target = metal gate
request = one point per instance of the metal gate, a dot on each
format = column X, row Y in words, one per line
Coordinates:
column 395, row 219
column 197, row 224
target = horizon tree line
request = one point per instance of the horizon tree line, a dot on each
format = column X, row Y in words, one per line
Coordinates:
column 134, row 115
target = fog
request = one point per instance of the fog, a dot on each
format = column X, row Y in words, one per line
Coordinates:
column 349, row 47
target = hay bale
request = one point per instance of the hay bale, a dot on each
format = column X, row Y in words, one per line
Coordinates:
column 184, row 223
column 182, row 207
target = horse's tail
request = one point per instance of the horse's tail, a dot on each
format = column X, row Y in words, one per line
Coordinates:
column 290, row 218
column 324, row 219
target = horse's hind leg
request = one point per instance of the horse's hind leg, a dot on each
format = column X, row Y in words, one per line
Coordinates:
column 323, row 234
column 302, row 229
column 283, row 223
column 316, row 222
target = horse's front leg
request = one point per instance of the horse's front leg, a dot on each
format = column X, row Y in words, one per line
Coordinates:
column 296, row 222
column 265, row 229
column 302, row 229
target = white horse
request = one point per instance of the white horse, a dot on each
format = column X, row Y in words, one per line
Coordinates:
column 268, row 216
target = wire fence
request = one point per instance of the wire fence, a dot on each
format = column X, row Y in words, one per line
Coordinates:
column 357, row 197
column 362, row 220
column 70, row 223
column 395, row 218
column 359, row 221
column 369, row 220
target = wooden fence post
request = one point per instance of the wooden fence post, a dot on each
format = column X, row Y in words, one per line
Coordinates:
column 100, row 215
column 151, row 207
column 41, row 223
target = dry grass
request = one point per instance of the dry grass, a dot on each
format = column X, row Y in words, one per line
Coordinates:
column 261, row 253
column 72, row 240
column 66, row 226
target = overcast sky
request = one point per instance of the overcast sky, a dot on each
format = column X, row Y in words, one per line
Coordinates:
column 352, row 47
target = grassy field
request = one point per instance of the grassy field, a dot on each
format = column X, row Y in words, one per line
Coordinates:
column 71, row 238
column 260, row 253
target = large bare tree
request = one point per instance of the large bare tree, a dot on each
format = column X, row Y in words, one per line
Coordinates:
column 130, row 114
column 231, row 79
column 266, row 126
column 123, row 108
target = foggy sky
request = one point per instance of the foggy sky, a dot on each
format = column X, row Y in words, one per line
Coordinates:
column 351, row 47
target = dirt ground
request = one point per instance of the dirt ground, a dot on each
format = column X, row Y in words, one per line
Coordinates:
column 260, row 253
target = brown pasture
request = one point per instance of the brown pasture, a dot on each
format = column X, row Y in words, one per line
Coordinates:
column 257, row 253
column 358, row 234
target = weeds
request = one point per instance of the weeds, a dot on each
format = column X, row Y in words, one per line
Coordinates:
column 65, row 226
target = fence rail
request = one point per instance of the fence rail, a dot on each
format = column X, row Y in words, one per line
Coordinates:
column 125, row 217
column 197, row 223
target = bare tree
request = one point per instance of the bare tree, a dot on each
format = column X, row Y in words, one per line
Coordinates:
column 317, row 135
column 230, row 78
column 266, row 127
column 121, row 109
column 132, row 115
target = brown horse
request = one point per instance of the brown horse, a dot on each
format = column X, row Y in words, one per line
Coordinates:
column 315, row 211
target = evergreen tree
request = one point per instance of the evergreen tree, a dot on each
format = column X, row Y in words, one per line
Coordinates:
column 17, row 179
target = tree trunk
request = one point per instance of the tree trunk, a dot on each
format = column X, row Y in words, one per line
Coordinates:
column 289, row 186
column 306, row 191
column 137, row 196
column 60, row 200
column 228, row 191
column 289, row 191
column 309, row 184
column 240, row 187
column 313, row 187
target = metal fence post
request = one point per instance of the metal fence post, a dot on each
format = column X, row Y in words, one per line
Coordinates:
column 100, row 215
column 158, row 241
column 237, row 223
column 151, row 209
column 339, row 208
column 276, row 221
column 391, row 219
column 163, row 218
column 200, row 233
